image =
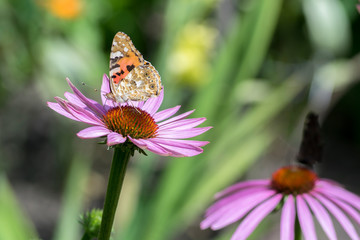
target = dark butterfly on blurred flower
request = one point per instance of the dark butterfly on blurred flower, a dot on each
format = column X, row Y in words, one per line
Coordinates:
column 311, row 146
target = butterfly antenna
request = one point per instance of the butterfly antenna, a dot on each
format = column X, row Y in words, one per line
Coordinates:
column 84, row 84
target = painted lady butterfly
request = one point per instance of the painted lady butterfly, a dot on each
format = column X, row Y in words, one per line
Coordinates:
column 131, row 77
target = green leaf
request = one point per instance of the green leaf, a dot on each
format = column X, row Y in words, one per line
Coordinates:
column 14, row 225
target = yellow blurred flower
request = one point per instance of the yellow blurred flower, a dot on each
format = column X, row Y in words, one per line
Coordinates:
column 65, row 9
column 189, row 61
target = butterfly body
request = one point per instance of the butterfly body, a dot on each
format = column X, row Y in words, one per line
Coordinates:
column 131, row 77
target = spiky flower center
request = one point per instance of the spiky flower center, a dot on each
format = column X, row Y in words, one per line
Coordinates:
column 131, row 121
column 293, row 180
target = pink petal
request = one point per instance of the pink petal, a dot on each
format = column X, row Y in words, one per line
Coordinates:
column 322, row 216
column 85, row 100
column 159, row 116
column 134, row 104
column 183, row 124
column 114, row 138
column 156, row 148
column 180, row 134
column 105, row 89
column 246, row 184
column 338, row 192
column 138, row 142
column 82, row 114
column 75, row 100
column 140, row 104
column 153, row 104
column 181, row 116
column 57, row 108
column 146, row 144
column 339, row 215
column 177, row 149
column 288, row 219
column 235, row 209
column 93, row 132
column 348, row 209
column 187, row 142
column 242, row 194
column 175, row 143
column 305, row 219
column 325, row 181
column 79, row 113
column 251, row 221
column 109, row 104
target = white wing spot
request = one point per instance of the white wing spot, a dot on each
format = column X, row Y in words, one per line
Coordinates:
column 116, row 54
column 129, row 75
column 126, row 49
column 138, row 83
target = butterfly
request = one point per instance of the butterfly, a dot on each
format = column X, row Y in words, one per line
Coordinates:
column 131, row 77
column 311, row 145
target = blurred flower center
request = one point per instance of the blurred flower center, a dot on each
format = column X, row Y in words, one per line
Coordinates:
column 131, row 121
column 293, row 180
column 66, row 9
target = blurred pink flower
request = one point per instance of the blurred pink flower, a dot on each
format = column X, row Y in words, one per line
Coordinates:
column 136, row 122
column 299, row 193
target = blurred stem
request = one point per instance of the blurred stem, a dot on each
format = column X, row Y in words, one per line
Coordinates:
column 68, row 227
column 297, row 230
column 116, row 178
column 86, row 236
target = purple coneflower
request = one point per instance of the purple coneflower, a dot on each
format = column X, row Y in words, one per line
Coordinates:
column 135, row 122
column 128, row 127
column 301, row 195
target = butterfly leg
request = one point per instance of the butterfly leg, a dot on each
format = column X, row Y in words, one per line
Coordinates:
column 130, row 103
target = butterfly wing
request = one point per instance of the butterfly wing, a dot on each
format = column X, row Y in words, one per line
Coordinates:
column 123, row 58
column 142, row 83
column 311, row 146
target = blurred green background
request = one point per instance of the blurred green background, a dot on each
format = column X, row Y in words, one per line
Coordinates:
column 253, row 68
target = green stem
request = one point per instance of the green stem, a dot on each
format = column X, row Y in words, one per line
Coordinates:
column 116, row 178
column 298, row 235
column 86, row 236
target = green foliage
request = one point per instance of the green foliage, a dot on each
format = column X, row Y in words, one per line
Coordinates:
column 91, row 221
column 14, row 224
column 68, row 226
column 263, row 63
